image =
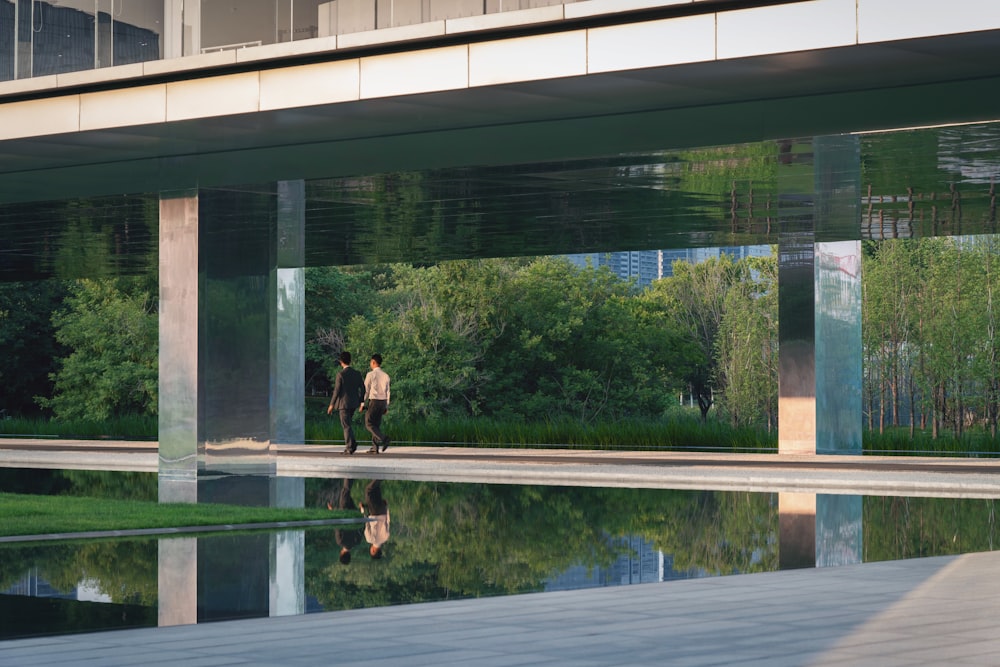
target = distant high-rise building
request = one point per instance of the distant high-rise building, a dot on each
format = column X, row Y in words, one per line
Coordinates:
column 640, row 563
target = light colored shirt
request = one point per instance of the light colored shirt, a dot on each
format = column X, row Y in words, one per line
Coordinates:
column 377, row 530
column 377, row 385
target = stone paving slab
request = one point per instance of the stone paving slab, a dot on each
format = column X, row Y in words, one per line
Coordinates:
column 862, row 475
column 932, row 611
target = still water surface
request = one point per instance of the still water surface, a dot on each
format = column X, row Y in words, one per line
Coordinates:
column 449, row 541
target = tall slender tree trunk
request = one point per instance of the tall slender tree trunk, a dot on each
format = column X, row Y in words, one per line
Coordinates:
column 894, row 386
column 911, row 390
column 881, row 401
column 937, row 410
column 959, row 409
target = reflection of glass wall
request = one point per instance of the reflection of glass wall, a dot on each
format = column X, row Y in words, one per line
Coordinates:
column 43, row 37
column 645, row 266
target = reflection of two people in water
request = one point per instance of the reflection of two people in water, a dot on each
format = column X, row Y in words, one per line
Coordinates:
column 375, row 508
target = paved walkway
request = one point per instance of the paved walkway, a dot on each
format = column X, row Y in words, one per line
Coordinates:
column 863, row 475
column 934, row 611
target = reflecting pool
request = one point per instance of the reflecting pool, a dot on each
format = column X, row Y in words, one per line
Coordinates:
column 448, row 541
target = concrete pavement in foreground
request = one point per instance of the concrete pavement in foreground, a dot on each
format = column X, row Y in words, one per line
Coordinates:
column 933, row 611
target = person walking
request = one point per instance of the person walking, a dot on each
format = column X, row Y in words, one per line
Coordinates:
column 349, row 537
column 348, row 393
column 377, row 510
column 376, row 403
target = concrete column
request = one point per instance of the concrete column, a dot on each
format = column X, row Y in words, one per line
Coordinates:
column 819, row 296
column 796, row 317
column 178, row 347
column 217, row 329
column 289, row 359
column 838, row 295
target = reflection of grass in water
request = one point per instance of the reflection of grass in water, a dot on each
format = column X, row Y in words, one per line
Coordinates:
column 682, row 433
column 37, row 515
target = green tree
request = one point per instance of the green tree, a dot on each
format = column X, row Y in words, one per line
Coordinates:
column 333, row 296
column 747, row 346
column 109, row 328
column 518, row 339
column 696, row 296
column 890, row 326
column 562, row 354
column 987, row 365
column 432, row 350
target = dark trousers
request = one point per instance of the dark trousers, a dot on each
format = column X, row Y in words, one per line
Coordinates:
column 373, row 420
column 374, row 502
column 347, row 423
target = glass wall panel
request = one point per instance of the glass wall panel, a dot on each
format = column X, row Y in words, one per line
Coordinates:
column 236, row 24
column 8, row 32
column 59, row 36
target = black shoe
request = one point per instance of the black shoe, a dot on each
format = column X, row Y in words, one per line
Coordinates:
column 385, row 444
column 373, row 450
column 348, row 451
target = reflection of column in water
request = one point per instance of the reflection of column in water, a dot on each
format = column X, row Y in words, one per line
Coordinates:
column 177, row 581
column 234, row 577
column 818, row 530
column 227, row 580
column 838, row 530
column 288, row 574
column 797, row 530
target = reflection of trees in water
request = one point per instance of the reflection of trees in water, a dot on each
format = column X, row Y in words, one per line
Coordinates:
column 470, row 540
column 124, row 570
column 897, row 528
column 466, row 540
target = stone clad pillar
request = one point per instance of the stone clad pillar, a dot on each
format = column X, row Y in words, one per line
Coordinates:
column 819, row 296
column 178, row 347
column 232, row 356
column 838, row 295
column 289, row 358
column 220, row 366
column 287, row 564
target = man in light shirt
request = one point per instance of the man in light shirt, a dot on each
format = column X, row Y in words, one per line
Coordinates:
column 376, row 403
column 377, row 510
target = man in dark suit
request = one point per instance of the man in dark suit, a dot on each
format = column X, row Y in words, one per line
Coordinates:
column 348, row 537
column 348, row 392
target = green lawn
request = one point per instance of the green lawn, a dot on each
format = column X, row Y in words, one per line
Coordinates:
column 39, row 515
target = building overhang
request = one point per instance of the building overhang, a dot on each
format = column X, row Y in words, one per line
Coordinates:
column 485, row 103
